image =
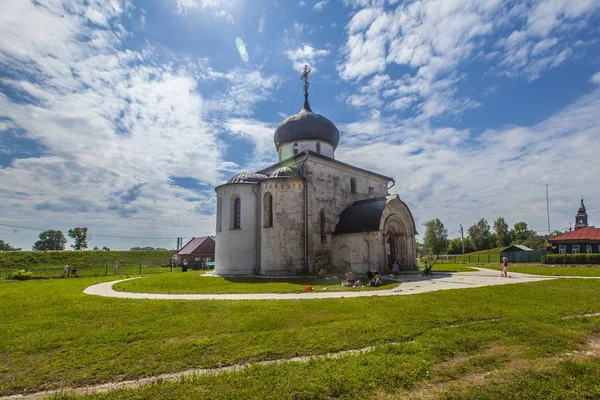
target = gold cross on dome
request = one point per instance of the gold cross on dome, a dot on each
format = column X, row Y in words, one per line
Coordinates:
column 304, row 76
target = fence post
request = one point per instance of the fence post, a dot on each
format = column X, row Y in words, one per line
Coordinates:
column 106, row 271
column 140, row 269
column 171, row 267
column 565, row 258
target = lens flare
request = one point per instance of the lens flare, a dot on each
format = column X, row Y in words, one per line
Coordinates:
column 239, row 43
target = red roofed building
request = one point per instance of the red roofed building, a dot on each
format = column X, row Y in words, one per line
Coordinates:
column 198, row 250
column 584, row 239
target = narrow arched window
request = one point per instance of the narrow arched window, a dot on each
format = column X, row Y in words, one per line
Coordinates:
column 268, row 210
column 219, row 213
column 352, row 185
column 237, row 213
column 319, row 147
column 295, row 148
column 322, row 225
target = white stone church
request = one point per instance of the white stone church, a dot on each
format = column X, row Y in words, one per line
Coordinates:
column 310, row 210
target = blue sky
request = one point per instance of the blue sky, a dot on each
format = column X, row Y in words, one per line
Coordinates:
column 122, row 116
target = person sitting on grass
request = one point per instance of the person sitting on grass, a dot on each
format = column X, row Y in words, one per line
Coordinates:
column 378, row 281
column 322, row 273
column 350, row 278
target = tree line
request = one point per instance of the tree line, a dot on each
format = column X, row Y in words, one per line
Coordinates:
column 480, row 236
column 54, row 239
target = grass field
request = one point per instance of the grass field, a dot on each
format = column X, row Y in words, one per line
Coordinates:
column 59, row 337
column 194, row 282
column 87, row 258
column 549, row 271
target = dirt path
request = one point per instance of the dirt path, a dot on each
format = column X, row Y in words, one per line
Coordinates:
column 411, row 284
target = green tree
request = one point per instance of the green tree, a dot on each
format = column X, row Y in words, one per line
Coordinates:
column 536, row 242
column 520, row 233
column 96, row 248
column 480, row 235
column 455, row 246
column 51, row 239
column 419, row 247
column 105, row 248
column 501, row 232
column 80, row 236
column 4, row 246
column 436, row 237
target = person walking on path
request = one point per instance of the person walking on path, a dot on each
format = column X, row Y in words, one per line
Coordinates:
column 505, row 267
column 116, row 268
column 66, row 271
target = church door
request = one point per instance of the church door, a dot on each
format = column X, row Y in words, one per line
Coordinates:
column 390, row 248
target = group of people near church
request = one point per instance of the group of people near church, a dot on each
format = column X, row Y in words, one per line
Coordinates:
column 351, row 281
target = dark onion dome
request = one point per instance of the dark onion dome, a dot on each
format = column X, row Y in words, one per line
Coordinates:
column 247, row 177
column 306, row 125
column 284, row 172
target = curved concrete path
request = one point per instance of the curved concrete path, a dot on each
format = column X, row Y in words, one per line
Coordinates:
column 411, row 284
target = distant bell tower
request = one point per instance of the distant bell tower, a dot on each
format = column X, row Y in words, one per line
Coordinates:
column 581, row 216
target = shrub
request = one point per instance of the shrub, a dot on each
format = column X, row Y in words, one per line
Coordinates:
column 21, row 275
column 593, row 258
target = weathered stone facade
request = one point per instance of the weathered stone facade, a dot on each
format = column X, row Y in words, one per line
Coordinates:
column 310, row 211
column 315, row 199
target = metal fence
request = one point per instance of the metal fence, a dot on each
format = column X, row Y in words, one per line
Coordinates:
column 515, row 257
column 87, row 271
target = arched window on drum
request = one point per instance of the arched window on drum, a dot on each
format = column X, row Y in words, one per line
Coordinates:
column 236, row 212
column 268, row 210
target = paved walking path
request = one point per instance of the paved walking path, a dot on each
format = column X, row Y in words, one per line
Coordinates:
column 411, row 284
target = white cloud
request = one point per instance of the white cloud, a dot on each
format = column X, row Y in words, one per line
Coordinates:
column 186, row 6
column 260, row 134
column 435, row 38
column 298, row 28
column 458, row 177
column 306, row 54
column 261, row 24
column 320, row 5
column 113, row 123
column 244, row 88
column 226, row 16
column 596, row 78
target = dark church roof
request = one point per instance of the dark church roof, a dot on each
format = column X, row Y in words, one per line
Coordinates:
column 285, row 172
column 247, row 177
column 307, row 125
column 365, row 215
column 361, row 216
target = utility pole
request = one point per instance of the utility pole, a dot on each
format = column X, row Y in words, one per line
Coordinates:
column 462, row 241
column 548, row 210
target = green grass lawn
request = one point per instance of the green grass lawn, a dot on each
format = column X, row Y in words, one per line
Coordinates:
column 452, row 268
column 549, row 271
column 55, row 336
column 194, row 282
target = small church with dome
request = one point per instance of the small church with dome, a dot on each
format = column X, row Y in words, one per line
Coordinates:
column 310, row 210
